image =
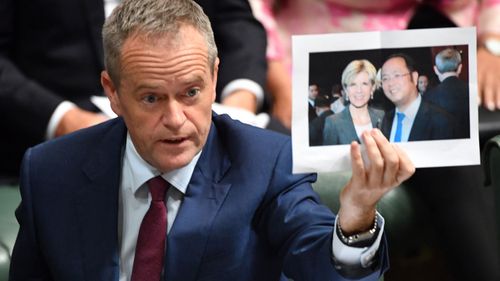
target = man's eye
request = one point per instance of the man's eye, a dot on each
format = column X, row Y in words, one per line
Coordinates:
column 193, row 92
column 150, row 99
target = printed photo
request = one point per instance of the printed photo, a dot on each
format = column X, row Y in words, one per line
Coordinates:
column 416, row 86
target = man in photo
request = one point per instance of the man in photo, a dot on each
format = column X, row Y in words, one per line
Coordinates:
column 452, row 94
column 323, row 110
column 313, row 93
column 423, row 84
column 412, row 119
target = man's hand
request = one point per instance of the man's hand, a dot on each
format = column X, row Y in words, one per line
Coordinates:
column 388, row 166
column 76, row 119
column 488, row 67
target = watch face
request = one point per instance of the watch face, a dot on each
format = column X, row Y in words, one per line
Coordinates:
column 493, row 46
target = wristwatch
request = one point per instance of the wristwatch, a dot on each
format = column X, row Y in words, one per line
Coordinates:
column 363, row 239
column 492, row 45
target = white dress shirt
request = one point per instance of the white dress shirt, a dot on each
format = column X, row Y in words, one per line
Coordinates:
column 410, row 114
column 135, row 199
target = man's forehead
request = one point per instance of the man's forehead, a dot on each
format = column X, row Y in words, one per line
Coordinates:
column 394, row 63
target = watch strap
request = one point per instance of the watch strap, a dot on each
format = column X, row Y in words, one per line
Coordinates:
column 362, row 239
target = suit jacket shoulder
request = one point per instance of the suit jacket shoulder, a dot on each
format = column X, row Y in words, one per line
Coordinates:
column 376, row 116
column 244, row 216
column 432, row 123
column 339, row 128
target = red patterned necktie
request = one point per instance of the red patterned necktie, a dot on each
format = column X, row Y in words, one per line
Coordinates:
column 150, row 249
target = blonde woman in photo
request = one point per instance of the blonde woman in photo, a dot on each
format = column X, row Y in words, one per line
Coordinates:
column 359, row 84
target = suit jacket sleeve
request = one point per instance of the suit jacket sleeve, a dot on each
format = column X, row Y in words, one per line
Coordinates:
column 27, row 250
column 330, row 132
column 301, row 228
column 48, row 53
column 240, row 39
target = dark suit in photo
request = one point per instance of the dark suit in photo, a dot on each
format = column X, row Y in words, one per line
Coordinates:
column 431, row 123
column 452, row 94
column 339, row 128
column 316, row 128
column 311, row 111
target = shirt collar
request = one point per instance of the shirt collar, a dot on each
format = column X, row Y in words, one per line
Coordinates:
column 411, row 111
column 139, row 171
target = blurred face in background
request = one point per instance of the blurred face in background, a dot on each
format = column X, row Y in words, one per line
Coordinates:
column 313, row 91
column 423, row 82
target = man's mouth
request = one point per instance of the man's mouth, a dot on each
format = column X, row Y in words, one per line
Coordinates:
column 174, row 140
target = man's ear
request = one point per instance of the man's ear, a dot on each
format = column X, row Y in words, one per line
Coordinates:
column 214, row 77
column 414, row 76
column 436, row 70
column 111, row 92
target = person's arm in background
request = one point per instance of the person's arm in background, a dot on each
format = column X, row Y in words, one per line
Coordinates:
column 241, row 41
column 279, row 81
column 488, row 63
column 484, row 15
column 26, row 106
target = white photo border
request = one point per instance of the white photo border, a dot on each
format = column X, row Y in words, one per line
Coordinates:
column 331, row 158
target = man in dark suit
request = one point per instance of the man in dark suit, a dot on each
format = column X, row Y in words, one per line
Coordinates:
column 312, row 94
column 232, row 208
column 322, row 105
column 416, row 119
column 51, row 54
column 452, row 94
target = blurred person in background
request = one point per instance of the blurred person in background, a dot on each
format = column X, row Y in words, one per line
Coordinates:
column 322, row 105
column 51, row 57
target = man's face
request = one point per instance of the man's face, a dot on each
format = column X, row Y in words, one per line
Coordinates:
column 313, row 91
column 165, row 96
column 423, row 82
column 398, row 83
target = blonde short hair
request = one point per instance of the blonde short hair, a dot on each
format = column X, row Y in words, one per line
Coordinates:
column 354, row 68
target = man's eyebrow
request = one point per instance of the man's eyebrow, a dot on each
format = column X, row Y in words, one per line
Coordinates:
column 195, row 79
column 145, row 86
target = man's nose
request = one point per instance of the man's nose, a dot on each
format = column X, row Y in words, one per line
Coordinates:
column 173, row 115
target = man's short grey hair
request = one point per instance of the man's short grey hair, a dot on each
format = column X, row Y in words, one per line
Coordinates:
column 152, row 19
column 448, row 60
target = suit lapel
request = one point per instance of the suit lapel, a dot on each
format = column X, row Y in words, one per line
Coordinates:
column 97, row 206
column 349, row 131
column 204, row 196
column 94, row 12
column 420, row 124
column 375, row 118
column 387, row 123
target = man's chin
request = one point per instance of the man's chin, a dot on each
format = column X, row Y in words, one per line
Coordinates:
column 170, row 163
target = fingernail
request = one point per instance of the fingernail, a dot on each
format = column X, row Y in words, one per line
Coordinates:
column 490, row 106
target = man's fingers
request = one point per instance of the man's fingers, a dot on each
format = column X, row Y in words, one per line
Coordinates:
column 487, row 94
column 406, row 167
column 376, row 168
column 358, row 167
column 389, row 156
